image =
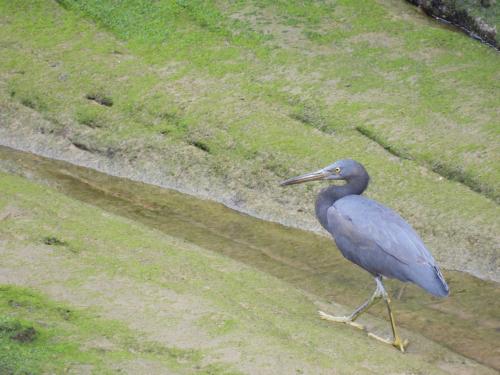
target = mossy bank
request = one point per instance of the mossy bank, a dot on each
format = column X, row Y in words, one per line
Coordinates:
column 224, row 100
column 85, row 291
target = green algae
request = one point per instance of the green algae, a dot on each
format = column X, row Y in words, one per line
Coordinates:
column 439, row 84
column 144, row 278
column 67, row 339
column 215, row 75
column 227, row 115
column 464, row 322
column 59, row 333
column 364, row 58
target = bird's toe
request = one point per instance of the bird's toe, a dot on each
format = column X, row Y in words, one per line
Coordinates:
column 338, row 319
column 401, row 345
column 341, row 319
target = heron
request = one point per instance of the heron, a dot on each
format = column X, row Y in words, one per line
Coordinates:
column 374, row 237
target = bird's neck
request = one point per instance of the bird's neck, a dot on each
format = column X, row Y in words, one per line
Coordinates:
column 332, row 193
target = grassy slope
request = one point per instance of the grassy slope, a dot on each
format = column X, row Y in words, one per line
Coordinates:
column 71, row 339
column 304, row 260
column 230, row 105
column 131, row 298
column 423, row 91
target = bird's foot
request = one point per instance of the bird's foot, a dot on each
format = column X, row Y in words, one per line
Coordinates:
column 399, row 344
column 340, row 319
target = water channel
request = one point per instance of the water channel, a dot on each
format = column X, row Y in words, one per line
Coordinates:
column 468, row 322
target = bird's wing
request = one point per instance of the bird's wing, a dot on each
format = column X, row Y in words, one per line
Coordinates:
column 380, row 241
column 381, row 225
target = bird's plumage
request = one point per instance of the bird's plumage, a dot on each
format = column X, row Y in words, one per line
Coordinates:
column 372, row 236
column 369, row 234
column 377, row 239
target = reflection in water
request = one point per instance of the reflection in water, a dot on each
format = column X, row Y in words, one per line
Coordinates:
column 467, row 322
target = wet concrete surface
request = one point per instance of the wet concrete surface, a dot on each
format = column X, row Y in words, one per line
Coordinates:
column 468, row 322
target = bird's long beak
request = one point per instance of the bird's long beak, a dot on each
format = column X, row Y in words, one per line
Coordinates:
column 313, row 176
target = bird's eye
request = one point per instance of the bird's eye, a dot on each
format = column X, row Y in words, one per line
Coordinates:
column 337, row 170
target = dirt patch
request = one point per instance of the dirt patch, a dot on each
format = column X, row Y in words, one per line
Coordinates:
column 80, row 146
column 17, row 331
column 25, row 335
column 143, row 366
column 11, row 212
column 101, row 99
column 266, row 22
column 53, row 241
column 375, row 39
column 201, row 146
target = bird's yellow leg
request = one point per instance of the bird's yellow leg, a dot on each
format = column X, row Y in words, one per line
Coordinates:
column 350, row 319
column 396, row 341
column 380, row 292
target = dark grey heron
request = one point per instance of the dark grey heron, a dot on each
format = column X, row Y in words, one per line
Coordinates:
column 372, row 236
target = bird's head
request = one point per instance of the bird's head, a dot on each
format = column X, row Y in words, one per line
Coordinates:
column 346, row 169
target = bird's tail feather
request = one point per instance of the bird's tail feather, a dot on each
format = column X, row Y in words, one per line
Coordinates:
column 444, row 285
column 432, row 280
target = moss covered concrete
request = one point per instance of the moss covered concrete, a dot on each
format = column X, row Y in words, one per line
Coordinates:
column 225, row 100
column 113, row 295
column 303, row 259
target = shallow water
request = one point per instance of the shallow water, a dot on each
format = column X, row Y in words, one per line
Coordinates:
column 468, row 322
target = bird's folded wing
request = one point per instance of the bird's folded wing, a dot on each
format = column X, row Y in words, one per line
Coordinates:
column 386, row 228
